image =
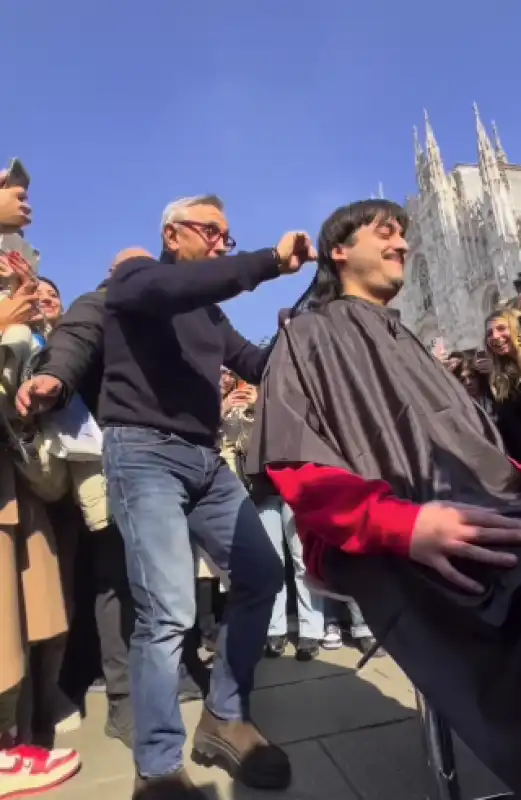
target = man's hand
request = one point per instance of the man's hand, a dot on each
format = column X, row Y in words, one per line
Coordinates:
column 130, row 252
column 38, row 394
column 294, row 249
column 239, row 398
column 15, row 212
column 443, row 532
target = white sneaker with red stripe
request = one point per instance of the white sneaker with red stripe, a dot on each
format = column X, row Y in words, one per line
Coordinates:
column 26, row 770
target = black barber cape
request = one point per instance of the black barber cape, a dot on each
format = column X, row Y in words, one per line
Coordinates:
column 351, row 387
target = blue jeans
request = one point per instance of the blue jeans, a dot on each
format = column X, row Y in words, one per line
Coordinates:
column 279, row 522
column 167, row 494
column 333, row 614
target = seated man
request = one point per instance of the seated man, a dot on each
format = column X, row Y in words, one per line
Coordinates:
column 401, row 490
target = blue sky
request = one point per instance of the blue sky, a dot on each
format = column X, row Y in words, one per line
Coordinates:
column 286, row 108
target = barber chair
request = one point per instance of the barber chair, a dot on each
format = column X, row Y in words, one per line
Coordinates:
column 437, row 744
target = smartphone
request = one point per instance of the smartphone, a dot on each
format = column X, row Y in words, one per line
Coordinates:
column 17, row 175
column 13, row 242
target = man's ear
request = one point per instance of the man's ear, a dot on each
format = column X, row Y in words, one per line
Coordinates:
column 170, row 242
column 339, row 254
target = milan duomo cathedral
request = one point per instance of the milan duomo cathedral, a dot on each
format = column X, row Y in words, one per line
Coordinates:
column 465, row 240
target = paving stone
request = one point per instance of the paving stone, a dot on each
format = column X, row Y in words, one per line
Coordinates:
column 387, row 762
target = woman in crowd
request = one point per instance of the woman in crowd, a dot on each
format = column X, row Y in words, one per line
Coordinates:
column 472, row 370
column 32, row 606
column 503, row 345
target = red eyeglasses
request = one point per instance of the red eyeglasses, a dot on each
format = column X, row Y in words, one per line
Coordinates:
column 210, row 232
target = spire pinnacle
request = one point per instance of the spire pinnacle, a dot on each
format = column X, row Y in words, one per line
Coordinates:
column 433, row 157
column 418, row 150
column 500, row 153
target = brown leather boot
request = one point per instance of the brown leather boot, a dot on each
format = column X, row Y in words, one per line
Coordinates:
column 246, row 754
column 168, row 787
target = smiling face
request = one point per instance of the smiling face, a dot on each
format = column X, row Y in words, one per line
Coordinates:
column 49, row 301
column 499, row 337
column 371, row 266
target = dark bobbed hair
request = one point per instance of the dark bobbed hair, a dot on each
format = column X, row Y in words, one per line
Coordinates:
column 51, row 283
column 339, row 229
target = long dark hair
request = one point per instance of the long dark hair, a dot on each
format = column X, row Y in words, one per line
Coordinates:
column 339, row 228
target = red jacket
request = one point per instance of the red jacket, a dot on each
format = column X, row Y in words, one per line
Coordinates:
column 335, row 508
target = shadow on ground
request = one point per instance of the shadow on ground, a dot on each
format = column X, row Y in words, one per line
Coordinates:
column 349, row 736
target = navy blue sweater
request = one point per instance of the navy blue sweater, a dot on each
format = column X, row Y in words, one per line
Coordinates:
column 165, row 341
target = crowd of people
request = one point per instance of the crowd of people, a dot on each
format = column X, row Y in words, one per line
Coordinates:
column 157, row 534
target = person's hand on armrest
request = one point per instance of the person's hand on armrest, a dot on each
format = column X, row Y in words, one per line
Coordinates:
column 363, row 517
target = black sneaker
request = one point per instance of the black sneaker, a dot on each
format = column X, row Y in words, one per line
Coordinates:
column 120, row 721
column 276, row 646
column 307, row 649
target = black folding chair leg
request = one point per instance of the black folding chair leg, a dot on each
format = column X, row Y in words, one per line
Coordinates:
column 439, row 752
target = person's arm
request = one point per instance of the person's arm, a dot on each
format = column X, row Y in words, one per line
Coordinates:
column 348, row 512
column 150, row 287
column 247, row 360
column 76, row 343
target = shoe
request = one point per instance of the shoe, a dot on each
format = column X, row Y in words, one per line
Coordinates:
column 68, row 724
column 98, row 686
column 332, row 637
column 120, row 721
column 243, row 751
column 307, row 649
column 176, row 785
column 276, row 646
column 209, row 639
column 189, row 690
column 30, row 770
column 366, row 643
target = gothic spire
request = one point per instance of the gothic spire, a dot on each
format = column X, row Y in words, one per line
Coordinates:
column 418, row 150
column 433, row 154
column 488, row 164
column 500, row 153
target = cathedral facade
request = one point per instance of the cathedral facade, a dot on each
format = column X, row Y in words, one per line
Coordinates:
column 464, row 239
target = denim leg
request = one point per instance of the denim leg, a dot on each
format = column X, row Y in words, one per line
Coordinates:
column 270, row 512
column 225, row 523
column 309, row 605
column 334, row 611
column 359, row 628
column 150, row 477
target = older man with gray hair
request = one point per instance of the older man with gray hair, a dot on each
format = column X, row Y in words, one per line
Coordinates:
column 165, row 342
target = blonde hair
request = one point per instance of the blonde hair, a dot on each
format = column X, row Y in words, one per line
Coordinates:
column 505, row 377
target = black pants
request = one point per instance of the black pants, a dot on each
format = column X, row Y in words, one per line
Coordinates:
column 99, row 642
column 112, row 607
column 103, row 617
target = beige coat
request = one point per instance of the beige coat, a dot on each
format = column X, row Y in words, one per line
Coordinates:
column 32, row 606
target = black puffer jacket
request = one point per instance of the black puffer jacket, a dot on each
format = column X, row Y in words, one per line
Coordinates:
column 74, row 352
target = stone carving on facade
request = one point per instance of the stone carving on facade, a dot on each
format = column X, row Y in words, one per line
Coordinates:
column 465, row 240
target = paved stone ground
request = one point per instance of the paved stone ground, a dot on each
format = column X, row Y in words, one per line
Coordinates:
column 350, row 736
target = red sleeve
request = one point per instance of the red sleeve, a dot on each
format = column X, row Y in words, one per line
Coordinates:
column 346, row 511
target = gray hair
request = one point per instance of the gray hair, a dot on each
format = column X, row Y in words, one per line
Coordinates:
column 178, row 208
